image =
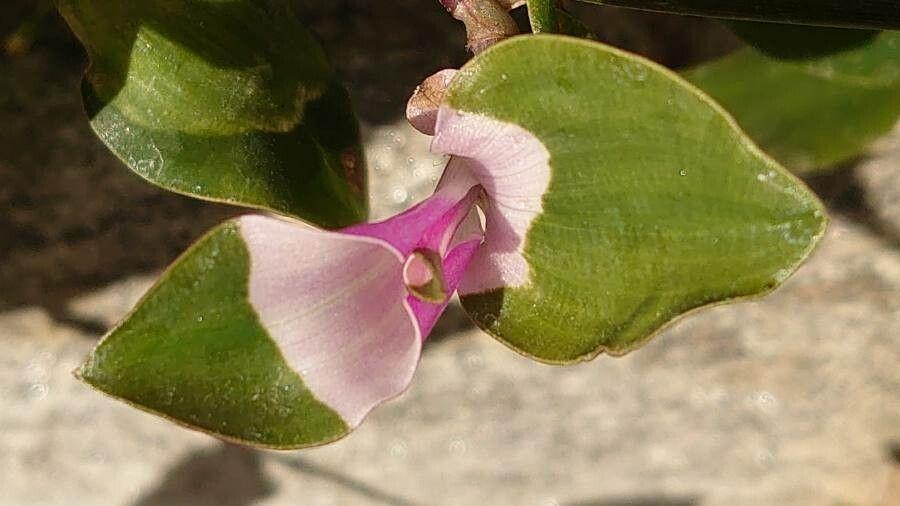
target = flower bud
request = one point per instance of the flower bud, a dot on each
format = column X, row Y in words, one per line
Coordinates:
column 422, row 108
column 487, row 21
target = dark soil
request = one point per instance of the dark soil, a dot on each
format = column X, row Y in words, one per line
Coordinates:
column 73, row 217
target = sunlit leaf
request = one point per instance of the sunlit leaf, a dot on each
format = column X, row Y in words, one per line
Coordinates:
column 274, row 333
column 636, row 199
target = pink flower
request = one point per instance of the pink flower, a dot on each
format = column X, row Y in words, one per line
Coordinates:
column 350, row 309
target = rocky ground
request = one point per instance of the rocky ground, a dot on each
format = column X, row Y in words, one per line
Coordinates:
column 794, row 399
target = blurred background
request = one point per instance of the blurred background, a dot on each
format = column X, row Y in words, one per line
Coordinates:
column 791, row 400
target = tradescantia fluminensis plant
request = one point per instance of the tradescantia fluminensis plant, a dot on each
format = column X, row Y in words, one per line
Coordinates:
column 591, row 197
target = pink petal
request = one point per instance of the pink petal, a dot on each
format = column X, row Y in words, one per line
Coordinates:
column 447, row 224
column 513, row 167
column 338, row 304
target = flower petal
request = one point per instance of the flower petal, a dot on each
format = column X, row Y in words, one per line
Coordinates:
column 343, row 306
column 428, row 224
column 335, row 304
column 513, row 167
column 446, row 224
column 464, row 244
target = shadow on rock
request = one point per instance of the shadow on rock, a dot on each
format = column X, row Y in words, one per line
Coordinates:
column 844, row 194
column 644, row 500
column 227, row 475
column 365, row 490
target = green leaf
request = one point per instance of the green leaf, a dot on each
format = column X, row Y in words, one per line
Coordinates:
column 542, row 16
column 231, row 101
column 195, row 352
column 546, row 17
column 795, row 42
column 811, row 97
column 880, row 14
column 657, row 204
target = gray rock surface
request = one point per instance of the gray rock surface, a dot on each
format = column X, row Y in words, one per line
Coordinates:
column 402, row 169
column 879, row 176
column 790, row 400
